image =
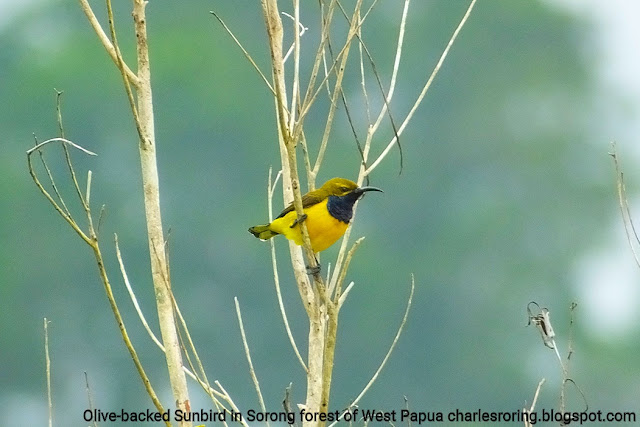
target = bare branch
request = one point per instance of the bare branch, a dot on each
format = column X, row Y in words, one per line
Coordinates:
column 86, row 8
column 424, row 90
column 204, row 383
column 89, row 396
column 52, row 181
column 337, row 285
column 276, row 277
column 132, row 295
column 247, row 353
column 302, row 28
column 343, row 295
column 64, row 141
column 244, row 51
column 47, row 361
column 530, row 410
column 63, row 213
column 228, row 399
column 67, row 155
column 629, row 227
column 386, row 357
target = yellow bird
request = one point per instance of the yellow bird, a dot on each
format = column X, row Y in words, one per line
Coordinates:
column 327, row 212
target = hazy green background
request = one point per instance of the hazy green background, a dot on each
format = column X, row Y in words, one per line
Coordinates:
column 507, row 196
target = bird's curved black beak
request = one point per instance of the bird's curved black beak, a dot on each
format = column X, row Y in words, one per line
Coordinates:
column 361, row 190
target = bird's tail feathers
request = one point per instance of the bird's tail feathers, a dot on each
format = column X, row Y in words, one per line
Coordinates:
column 262, row 232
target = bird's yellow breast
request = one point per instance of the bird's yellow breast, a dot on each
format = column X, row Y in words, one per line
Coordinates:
column 324, row 230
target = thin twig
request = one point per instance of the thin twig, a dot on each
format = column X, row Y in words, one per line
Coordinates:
column 424, row 89
column 132, row 295
column 52, row 181
column 89, row 396
column 276, row 277
column 86, row 8
column 64, row 141
column 302, row 28
column 244, row 51
column 125, row 77
column 47, row 361
column 67, row 155
column 386, row 357
column 629, row 227
column 63, row 213
column 208, row 389
column 87, row 197
column 354, row 26
column 92, row 241
column 247, row 353
column 529, row 411
column 386, row 109
column 204, row 381
column 228, row 399
column 343, row 295
column 343, row 272
column 286, row 402
column 296, row 63
column 123, row 331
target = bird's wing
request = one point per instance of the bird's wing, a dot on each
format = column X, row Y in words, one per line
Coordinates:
column 309, row 199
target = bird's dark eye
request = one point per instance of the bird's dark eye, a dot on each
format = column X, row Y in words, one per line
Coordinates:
column 344, row 189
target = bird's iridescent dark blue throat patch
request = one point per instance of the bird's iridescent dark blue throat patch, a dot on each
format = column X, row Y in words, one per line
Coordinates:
column 341, row 208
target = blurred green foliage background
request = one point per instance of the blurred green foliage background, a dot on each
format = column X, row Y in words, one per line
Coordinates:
column 507, row 196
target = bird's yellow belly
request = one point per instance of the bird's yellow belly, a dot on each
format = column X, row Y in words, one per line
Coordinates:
column 324, row 230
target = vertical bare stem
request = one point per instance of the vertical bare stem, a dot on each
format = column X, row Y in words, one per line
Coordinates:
column 48, row 370
column 151, row 190
column 252, row 371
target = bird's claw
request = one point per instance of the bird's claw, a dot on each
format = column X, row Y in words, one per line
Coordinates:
column 298, row 220
column 312, row 271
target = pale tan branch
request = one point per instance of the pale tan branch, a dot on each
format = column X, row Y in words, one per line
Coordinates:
column 244, row 51
column 343, row 296
column 64, row 141
column 132, row 295
column 92, row 240
column 247, row 353
column 276, row 277
column 204, row 381
column 331, row 336
column 337, row 285
column 354, row 26
column 123, row 330
column 67, row 155
column 102, row 36
column 386, row 357
column 627, row 220
column 151, row 186
column 296, row 63
column 89, row 396
column 47, row 362
column 363, row 82
column 527, row 421
column 63, row 213
column 230, row 400
column 208, row 389
column 53, row 182
column 142, row 85
column 302, row 28
column 396, row 67
column 424, row 90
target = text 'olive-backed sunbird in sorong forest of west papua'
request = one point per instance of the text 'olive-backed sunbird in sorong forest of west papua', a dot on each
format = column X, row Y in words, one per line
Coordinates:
column 327, row 211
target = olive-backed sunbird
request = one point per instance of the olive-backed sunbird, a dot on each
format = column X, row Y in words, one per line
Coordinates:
column 328, row 212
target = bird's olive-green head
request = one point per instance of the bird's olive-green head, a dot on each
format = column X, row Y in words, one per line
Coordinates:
column 338, row 187
column 341, row 187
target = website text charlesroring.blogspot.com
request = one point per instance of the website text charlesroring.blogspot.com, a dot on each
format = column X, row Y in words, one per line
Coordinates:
column 460, row 417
